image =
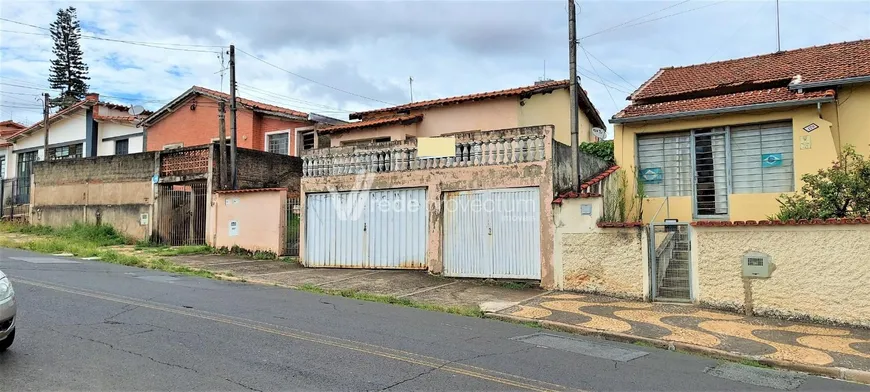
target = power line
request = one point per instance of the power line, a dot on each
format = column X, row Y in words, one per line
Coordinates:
column 588, row 53
column 149, row 45
column 670, row 15
column 738, row 29
column 599, row 76
column 634, row 20
column 289, row 98
column 314, row 81
column 589, row 77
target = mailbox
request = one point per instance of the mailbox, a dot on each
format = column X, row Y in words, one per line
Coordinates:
column 757, row 265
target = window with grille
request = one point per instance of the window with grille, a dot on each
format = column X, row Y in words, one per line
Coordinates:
column 66, row 152
column 2, row 167
column 279, row 143
column 307, row 141
column 122, row 147
column 762, row 158
column 665, row 164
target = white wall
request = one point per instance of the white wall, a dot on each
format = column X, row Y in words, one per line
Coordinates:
column 66, row 130
column 110, row 130
column 4, row 152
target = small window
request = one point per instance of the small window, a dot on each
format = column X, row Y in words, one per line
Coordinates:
column 2, row 167
column 279, row 143
column 307, row 141
column 122, row 147
column 366, row 141
column 66, row 152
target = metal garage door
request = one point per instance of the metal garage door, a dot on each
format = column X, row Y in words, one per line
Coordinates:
column 375, row 229
column 493, row 234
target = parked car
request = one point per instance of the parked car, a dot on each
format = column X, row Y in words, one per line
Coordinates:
column 7, row 312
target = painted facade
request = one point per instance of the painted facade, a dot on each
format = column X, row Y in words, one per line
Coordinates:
column 247, row 219
column 549, row 106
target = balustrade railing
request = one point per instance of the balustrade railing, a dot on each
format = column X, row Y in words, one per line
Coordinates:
column 472, row 149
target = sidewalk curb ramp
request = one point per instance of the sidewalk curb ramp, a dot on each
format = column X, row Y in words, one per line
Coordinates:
column 839, row 373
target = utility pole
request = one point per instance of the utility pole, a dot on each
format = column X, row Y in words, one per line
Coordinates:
column 45, row 126
column 234, row 168
column 572, row 90
column 222, row 146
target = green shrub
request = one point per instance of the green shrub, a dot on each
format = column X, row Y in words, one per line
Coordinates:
column 602, row 149
column 841, row 191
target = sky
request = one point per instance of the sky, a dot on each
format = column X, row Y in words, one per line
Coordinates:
column 337, row 57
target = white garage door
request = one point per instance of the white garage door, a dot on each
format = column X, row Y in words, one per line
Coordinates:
column 493, row 234
column 375, row 229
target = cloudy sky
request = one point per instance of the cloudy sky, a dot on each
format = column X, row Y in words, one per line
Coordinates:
column 334, row 57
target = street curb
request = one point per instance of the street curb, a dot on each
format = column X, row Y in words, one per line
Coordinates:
column 839, row 373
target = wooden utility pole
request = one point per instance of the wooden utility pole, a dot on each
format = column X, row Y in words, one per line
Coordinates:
column 233, row 163
column 45, row 126
column 222, row 146
column 572, row 89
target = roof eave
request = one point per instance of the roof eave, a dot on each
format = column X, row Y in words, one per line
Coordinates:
column 830, row 83
column 732, row 109
column 165, row 109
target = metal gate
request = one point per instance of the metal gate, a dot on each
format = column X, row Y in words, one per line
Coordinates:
column 291, row 247
column 493, row 234
column 366, row 229
column 671, row 266
column 180, row 216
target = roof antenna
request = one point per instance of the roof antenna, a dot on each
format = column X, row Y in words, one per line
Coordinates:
column 778, row 44
column 411, row 87
column 545, row 69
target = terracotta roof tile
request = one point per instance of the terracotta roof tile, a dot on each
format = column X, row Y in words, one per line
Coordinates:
column 250, row 103
column 601, row 176
column 583, row 194
column 781, row 94
column 517, row 91
column 251, row 190
column 790, row 222
column 373, row 123
column 51, row 119
column 605, row 225
column 115, row 118
column 813, row 64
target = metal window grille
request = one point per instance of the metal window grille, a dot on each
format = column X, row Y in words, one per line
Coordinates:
column 66, row 152
column 307, row 141
column 279, row 143
column 2, row 167
column 122, row 147
column 25, row 168
column 711, row 172
column 665, row 163
column 181, row 210
column 762, row 158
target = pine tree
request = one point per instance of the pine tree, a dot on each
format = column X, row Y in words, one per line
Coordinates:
column 68, row 72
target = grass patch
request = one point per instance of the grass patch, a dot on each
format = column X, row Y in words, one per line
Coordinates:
column 388, row 299
column 753, row 363
column 643, row 344
column 84, row 240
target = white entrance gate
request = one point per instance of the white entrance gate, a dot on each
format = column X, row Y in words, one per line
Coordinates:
column 375, row 229
column 493, row 234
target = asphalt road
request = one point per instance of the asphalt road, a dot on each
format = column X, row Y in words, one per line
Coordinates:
column 86, row 325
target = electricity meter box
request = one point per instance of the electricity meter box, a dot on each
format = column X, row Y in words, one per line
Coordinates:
column 757, row 265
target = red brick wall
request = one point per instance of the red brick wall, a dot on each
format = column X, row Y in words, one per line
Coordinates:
column 197, row 127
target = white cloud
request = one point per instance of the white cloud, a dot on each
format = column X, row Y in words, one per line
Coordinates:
column 371, row 48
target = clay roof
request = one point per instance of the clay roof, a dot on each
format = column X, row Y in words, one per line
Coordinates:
column 584, row 193
column 115, row 118
column 52, row 119
column 813, row 64
column 220, row 96
column 544, row 87
column 373, row 123
column 12, row 124
column 779, row 94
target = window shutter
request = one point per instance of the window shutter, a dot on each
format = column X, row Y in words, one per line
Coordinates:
column 665, row 164
column 762, row 158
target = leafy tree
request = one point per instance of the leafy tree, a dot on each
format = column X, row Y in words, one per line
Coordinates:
column 68, row 71
column 841, row 191
column 602, row 149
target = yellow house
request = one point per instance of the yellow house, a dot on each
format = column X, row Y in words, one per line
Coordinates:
column 544, row 103
column 721, row 141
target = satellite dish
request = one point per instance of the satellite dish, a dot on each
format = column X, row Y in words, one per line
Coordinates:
column 601, row 133
column 136, row 110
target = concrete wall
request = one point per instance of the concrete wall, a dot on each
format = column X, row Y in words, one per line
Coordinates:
column 754, row 206
column 554, row 108
column 113, row 190
column 438, row 181
column 821, row 271
column 259, row 169
column 259, row 217
column 587, row 258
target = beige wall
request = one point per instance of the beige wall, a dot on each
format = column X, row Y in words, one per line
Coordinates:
column 853, row 115
column 553, row 108
column 438, row 181
column 587, row 258
column 394, row 132
column 822, row 272
column 260, row 217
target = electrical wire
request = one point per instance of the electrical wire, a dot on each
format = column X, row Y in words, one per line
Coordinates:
column 314, row 81
column 289, row 98
column 588, row 53
column 149, row 45
column 655, row 19
column 599, row 76
column 611, row 28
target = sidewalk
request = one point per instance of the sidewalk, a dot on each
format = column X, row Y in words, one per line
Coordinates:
column 767, row 340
